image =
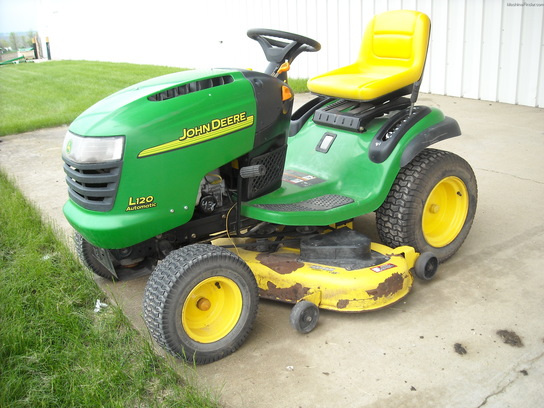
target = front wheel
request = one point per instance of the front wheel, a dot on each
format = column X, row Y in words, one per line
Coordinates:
column 431, row 204
column 90, row 255
column 200, row 303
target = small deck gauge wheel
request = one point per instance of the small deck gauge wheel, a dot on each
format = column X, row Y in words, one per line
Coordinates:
column 304, row 316
column 426, row 266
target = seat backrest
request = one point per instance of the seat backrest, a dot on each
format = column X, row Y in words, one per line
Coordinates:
column 396, row 39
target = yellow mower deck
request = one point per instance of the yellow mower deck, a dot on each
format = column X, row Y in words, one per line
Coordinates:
column 282, row 276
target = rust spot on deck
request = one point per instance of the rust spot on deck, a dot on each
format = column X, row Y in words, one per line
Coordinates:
column 291, row 294
column 388, row 287
column 280, row 263
column 342, row 303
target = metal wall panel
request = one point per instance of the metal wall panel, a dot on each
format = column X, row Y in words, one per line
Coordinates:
column 530, row 79
column 482, row 49
column 472, row 49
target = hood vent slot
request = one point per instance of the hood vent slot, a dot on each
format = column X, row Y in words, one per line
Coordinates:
column 191, row 87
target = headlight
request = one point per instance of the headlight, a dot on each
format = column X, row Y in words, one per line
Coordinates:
column 92, row 149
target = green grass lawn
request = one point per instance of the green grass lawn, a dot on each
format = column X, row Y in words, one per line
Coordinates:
column 55, row 351
column 54, row 93
column 34, row 96
column 298, row 85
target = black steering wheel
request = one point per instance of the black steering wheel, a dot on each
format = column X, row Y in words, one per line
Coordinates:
column 278, row 51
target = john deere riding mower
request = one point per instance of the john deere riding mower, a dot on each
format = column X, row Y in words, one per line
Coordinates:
column 208, row 181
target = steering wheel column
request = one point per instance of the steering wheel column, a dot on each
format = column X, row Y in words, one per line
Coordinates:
column 277, row 52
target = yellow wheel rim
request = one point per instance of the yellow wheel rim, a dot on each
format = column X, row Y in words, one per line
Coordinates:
column 212, row 309
column 445, row 211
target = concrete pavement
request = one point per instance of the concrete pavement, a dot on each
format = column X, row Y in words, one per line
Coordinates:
column 442, row 346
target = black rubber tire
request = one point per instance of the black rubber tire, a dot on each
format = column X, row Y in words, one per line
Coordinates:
column 84, row 250
column 170, row 285
column 399, row 219
column 426, row 266
column 304, row 316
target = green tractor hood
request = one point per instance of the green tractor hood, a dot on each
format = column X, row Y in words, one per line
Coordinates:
column 173, row 131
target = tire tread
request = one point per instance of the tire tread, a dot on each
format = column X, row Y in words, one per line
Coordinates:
column 396, row 217
column 168, row 274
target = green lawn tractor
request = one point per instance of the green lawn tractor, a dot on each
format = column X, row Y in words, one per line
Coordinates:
column 209, row 182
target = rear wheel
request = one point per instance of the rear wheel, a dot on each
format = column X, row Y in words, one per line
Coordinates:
column 431, row 204
column 200, row 303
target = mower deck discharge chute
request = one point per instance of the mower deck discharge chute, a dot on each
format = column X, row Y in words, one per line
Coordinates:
column 208, row 181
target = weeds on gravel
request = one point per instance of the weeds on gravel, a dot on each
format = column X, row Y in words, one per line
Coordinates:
column 55, row 351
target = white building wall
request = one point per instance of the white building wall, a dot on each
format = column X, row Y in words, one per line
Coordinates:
column 481, row 49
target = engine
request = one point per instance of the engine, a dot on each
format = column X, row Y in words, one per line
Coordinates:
column 212, row 193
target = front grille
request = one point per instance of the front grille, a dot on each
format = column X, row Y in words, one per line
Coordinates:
column 93, row 186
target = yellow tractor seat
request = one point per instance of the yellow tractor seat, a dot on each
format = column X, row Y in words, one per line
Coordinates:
column 390, row 62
